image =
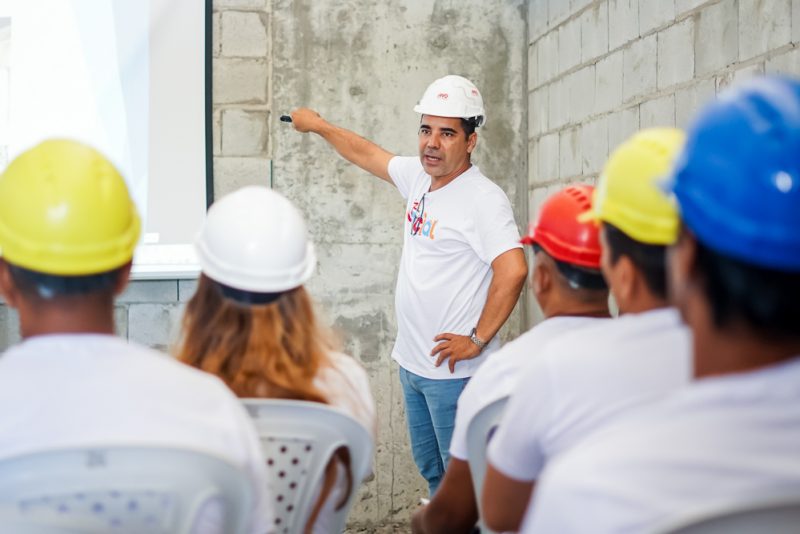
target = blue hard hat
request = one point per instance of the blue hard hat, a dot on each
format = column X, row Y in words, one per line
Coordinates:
column 737, row 180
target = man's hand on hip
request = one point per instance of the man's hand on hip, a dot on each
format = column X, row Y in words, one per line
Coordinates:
column 306, row 120
column 454, row 347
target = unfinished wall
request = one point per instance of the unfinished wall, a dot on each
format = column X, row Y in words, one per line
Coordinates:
column 600, row 70
column 362, row 64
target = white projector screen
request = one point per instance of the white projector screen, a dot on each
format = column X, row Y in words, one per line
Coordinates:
column 132, row 79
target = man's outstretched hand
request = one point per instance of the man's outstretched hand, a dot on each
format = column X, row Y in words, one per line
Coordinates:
column 455, row 348
column 306, row 120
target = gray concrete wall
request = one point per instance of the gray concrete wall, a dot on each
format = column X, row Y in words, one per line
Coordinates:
column 600, row 70
column 362, row 64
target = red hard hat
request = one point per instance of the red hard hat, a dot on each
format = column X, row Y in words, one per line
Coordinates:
column 559, row 233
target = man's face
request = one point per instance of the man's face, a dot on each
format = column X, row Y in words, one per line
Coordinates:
column 443, row 146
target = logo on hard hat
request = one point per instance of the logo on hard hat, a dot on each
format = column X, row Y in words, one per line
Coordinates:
column 443, row 96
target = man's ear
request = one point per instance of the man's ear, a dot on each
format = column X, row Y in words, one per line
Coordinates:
column 7, row 288
column 472, row 142
column 624, row 280
column 681, row 262
column 542, row 278
column 123, row 278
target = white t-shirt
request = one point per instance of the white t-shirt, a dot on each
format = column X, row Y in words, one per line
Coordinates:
column 445, row 270
column 718, row 444
column 498, row 376
column 346, row 386
column 83, row 389
column 583, row 380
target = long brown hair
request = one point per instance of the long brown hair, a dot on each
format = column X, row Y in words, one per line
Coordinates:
column 272, row 350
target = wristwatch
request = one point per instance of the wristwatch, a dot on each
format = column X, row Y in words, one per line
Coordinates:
column 473, row 336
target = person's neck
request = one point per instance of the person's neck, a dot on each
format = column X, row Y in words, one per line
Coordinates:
column 575, row 309
column 737, row 349
column 80, row 314
column 643, row 303
column 437, row 182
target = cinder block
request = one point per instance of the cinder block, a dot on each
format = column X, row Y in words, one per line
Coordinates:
column 569, row 150
column 186, row 289
column 557, row 11
column 594, row 32
column 768, row 26
column 623, row 22
column 154, row 325
column 787, row 63
column 581, row 94
column 244, row 34
column 682, row 6
column 690, row 99
column 538, row 105
column 546, row 58
column 121, row 321
column 796, row 21
column 655, row 14
column 716, row 37
column 150, row 291
column 245, row 4
column 676, row 54
column 659, row 112
column 216, row 41
column 577, row 5
column 533, row 159
column 558, row 104
column 608, row 82
column 216, row 131
column 639, row 68
column 232, row 173
column 594, row 145
column 569, row 45
column 240, row 81
column 537, row 19
column 9, row 327
column 244, row 133
column 548, row 159
column 622, row 125
column 732, row 78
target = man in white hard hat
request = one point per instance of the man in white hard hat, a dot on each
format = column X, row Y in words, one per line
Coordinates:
column 462, row 267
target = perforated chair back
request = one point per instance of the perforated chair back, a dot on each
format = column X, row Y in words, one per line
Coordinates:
column 773, row 517
column 122, row 490
column 298, row 439
column 479, row 432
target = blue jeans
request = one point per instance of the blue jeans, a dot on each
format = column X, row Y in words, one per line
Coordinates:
column 431, row 415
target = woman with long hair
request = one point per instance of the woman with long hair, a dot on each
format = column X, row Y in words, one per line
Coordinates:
column 252, row 323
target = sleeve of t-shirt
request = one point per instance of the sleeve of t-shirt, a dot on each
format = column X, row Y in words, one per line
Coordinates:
column 403, row 170
column 516, row 449
column 495, row 229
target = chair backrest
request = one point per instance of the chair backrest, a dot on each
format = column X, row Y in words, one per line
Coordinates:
column 122, row 489
column 298, row 440
column 479, row 432
column 773, row 517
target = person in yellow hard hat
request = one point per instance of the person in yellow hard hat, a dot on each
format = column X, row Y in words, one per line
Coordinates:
column 585, row 379
column 68, row 229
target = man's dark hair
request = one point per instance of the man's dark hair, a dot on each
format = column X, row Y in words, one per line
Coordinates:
column 34, row 284
column 469, row 125
column 766, row 299
column 576, row 277
column 648, row 259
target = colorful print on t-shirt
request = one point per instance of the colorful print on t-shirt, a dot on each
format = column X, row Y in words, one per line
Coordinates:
column 420, row 223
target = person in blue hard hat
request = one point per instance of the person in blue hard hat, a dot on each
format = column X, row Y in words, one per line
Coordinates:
column 731, row 440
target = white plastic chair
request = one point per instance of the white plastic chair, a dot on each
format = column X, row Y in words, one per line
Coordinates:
column 298, row 439
column 120, row 489
column 773, row 517
column 479, row 432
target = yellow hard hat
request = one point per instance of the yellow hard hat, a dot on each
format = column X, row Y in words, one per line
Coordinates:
column 628, row 194
column 65, row 210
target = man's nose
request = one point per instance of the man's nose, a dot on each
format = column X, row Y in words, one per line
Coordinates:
column 433, row 141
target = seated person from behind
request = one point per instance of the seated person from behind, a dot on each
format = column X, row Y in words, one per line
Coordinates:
column 68, row 229
column 252, row 323
column 570, row 290
column 731, row 439
column 585, row 379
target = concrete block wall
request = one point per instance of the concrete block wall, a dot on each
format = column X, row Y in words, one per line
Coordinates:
column 600, row 70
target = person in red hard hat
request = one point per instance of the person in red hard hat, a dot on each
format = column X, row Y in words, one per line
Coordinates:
column 569, row 288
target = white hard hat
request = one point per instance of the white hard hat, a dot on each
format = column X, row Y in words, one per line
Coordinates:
column 254, row 239
column 452, row 96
